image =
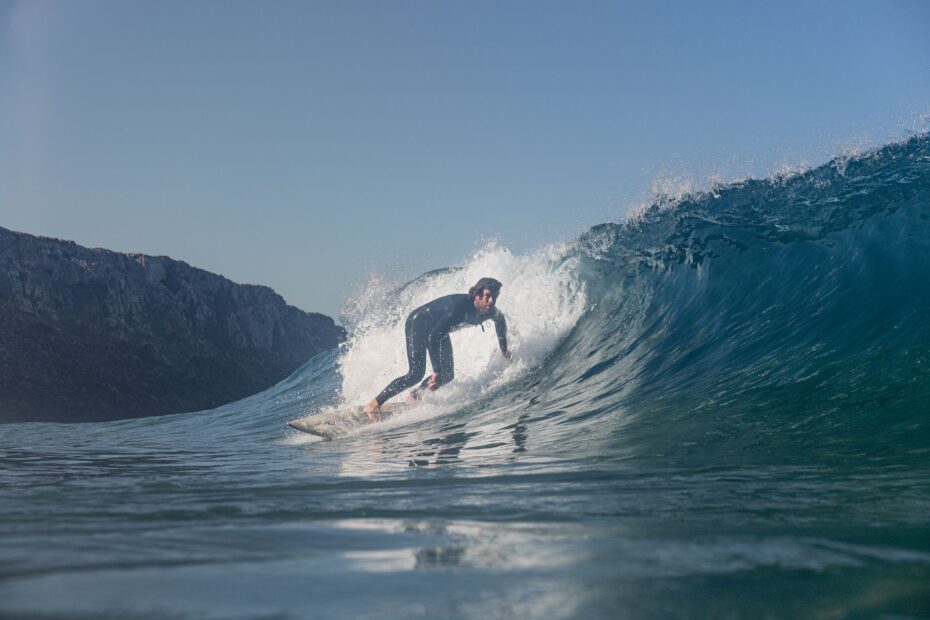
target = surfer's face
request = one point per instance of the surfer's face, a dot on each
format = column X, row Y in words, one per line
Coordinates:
column 484, row 302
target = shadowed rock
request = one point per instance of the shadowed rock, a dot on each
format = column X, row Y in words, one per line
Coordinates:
column 90, row 334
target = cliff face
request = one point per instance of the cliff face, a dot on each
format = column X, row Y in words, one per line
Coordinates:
column 90, row 334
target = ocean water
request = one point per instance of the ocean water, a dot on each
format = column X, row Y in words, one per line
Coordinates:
column 719, row 408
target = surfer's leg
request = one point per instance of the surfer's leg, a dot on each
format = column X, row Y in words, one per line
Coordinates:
column 416, row 359
column 446, row 364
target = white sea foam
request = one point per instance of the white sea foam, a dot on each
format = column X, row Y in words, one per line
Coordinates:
column 542, row 298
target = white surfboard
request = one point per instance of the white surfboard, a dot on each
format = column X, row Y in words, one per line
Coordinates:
column 339, row 422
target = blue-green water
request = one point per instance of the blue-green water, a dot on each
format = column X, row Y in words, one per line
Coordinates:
column 719, row 409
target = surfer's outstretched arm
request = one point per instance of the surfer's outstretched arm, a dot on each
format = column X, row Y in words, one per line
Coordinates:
column 500, row 326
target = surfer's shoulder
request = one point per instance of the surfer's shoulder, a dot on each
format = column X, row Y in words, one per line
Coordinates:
column 458, row 300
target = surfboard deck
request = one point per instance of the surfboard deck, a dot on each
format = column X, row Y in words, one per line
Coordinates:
column 339, row 422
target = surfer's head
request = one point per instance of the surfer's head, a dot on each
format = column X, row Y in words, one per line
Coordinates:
column 484, row 294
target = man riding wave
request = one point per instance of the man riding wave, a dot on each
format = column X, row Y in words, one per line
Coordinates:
column 427, row 329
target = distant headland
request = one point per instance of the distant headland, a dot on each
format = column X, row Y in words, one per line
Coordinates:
column 92, row 334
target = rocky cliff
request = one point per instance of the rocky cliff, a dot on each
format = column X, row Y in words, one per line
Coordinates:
column 90, row 334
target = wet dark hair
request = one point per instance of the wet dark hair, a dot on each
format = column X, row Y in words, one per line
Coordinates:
column 485, row 283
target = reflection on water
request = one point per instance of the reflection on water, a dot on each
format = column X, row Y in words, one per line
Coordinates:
column 402, row 568
column 481, row 445
column 442, row 450
column 440, row 557
column 469, row 442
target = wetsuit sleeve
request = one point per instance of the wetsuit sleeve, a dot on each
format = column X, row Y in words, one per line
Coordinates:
column 500, row 326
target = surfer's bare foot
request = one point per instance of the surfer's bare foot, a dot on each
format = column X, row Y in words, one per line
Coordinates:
column 373, row 409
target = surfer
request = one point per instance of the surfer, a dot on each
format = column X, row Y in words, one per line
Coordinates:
column 428, row 328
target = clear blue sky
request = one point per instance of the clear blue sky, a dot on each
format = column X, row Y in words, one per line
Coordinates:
column 301, row 145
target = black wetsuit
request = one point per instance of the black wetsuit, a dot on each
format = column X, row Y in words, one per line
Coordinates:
column 427, row 329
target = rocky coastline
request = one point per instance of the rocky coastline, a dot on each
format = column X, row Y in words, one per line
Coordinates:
column 91, row 334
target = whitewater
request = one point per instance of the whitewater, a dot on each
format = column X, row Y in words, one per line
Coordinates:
column 717, row 408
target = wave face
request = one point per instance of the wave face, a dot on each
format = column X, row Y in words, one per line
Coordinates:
column 725, row 396
column 768, row 321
